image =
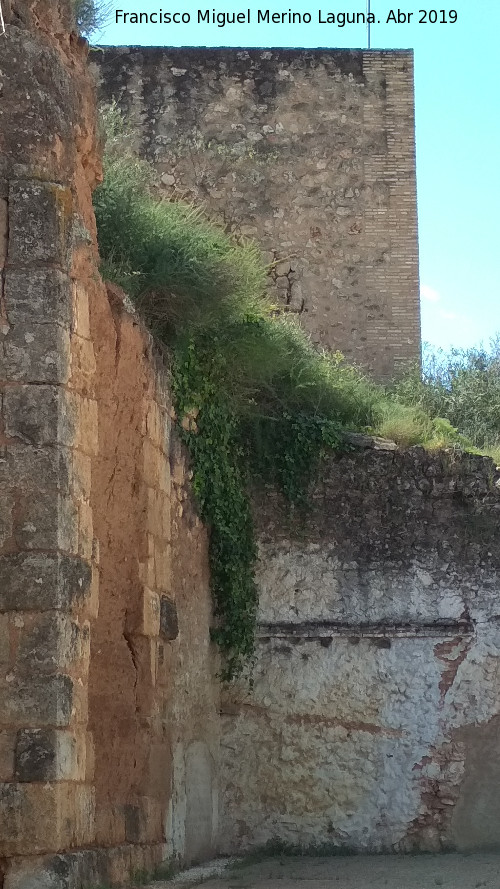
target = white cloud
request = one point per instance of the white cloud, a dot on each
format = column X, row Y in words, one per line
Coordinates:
column 451, row 316
column 429, row 293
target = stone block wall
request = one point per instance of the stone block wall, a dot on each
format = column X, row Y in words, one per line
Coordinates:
column 47, row 590
column 373, row 722
column 153, row 698
column 108, row 704
column 309, row 152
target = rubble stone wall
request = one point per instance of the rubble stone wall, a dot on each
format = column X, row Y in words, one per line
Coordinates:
column 373, row 721
column 309, row 152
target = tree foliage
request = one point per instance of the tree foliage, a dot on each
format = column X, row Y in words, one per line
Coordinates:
column 91, row 16
column 462, row 386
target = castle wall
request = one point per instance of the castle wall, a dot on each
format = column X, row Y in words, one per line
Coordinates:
column 373, row 721
column 108, row 704
column 153, row 698
column 309, row 152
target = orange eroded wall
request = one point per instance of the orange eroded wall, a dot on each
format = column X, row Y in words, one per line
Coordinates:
column 151, row 696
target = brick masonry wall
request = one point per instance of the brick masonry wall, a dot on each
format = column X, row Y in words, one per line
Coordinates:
column 374, row 720
column 311, row 153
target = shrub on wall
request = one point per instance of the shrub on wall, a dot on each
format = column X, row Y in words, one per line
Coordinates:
column 462, row 386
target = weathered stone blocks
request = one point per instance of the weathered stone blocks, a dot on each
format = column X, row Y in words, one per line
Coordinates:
column 34, row 415
column 88, row 867
column 44, row 817
column 46, row 798
column 37, row 296
column 43, row 581
column 50, row 755
column 40, row 218
column 37, row 701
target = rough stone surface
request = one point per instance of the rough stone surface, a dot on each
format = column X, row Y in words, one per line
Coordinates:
column 152, row 693
column 40, row 582
column 310, row 152
column 85, row 868
column 38, row 230
column 169, row 622
column 37, row 701
column 371, row 723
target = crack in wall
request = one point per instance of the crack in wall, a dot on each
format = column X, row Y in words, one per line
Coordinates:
column 133, row 655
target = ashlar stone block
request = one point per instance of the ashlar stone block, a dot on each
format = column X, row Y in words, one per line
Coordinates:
column 169, row 623
column 146, row 622
column 50, row 642
column 37, row 701
column 35, row 353
column 50, row 755
column 45, row 817
column 40, row 222
column 38, row 296
column 34, row 414
column 43, row 581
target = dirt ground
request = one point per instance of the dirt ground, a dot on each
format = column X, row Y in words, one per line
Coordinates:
column 475, row 871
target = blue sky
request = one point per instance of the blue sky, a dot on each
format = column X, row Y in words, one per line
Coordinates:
column 458, row 133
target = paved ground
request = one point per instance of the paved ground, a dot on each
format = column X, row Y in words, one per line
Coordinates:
column 479, row 871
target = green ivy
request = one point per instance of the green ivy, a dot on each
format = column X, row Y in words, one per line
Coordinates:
column 210, row 431
column 285, row 451
column 230, row 452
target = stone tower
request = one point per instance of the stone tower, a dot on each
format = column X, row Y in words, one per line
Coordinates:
column 310, row 152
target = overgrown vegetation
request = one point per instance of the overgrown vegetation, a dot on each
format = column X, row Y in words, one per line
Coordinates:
column 255, row 401
column 462, row 386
